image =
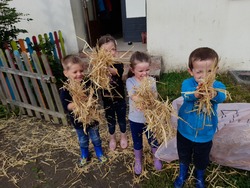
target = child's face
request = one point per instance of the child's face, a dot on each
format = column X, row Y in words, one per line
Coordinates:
column 74, row 72
column 201, row 69
column 110, row 47
column 141, row 70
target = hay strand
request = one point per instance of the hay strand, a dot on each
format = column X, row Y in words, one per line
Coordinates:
column 157, row 112
column 86, row 106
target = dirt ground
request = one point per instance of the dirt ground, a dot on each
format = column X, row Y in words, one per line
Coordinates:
column 38, row 154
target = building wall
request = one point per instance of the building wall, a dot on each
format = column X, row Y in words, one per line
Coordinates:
column 176, row 27
column 49, row 16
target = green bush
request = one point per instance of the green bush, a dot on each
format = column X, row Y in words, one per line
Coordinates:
column 8, row 18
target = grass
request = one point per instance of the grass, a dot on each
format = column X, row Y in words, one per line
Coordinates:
column 170, row 86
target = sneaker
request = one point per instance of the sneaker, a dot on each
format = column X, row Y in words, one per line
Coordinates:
column 102, row 159
column 83, row 162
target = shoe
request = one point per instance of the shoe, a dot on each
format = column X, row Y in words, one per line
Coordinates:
column 102, row 159
column 112, row 142
column 180, row 180
column 138, row 162
column 99, row 154
column 200, row 183
column 157, row 162
column 83, row 162
column 124, row 141
column 84, row 152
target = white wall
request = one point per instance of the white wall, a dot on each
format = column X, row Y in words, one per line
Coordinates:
column 176, row 27
column 48, row 16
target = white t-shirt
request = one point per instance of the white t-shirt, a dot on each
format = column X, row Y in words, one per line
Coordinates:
column 135, row 114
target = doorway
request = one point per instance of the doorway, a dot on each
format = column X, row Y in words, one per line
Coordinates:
column 102, row 17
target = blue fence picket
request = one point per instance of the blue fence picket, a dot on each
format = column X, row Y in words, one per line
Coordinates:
column 29, row 45
column 52, row 41
column 11, row 92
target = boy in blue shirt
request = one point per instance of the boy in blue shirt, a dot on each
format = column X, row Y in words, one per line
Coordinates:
column 195, row 130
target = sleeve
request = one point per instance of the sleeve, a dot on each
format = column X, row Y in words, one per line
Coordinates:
column 65, row 99
column 120, row 68
column 187, row 91
column 221, row 92
column 130, row 87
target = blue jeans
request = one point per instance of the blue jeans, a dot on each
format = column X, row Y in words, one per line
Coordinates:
column 92, row 133
column 137, row 130
column 113, row 109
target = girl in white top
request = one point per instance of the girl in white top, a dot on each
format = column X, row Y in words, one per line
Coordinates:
column 139, row 68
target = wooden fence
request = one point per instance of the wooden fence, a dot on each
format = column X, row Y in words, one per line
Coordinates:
column 27, row 81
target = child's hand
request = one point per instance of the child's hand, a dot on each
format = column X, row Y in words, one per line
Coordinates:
column 71, row 106
column 138, row 101
column 113, row 71
column 212, row 93
column 198, row 93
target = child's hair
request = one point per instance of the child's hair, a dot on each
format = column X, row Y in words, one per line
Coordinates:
column 136, row 58
column 203, row 53
column 68, row 60
column 105, row 39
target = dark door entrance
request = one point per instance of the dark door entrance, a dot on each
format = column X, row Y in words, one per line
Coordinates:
column 102, row 17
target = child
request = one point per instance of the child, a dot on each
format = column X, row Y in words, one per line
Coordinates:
column 73, row 69
column 196, row 130
column 139, row 67
column 114, row 102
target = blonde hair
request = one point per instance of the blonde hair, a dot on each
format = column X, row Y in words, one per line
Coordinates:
column 68, row 60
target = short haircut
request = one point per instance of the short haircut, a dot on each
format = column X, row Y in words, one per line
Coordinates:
column 71, row 59
column 201, row 54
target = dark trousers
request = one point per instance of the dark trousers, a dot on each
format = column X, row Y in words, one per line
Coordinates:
column 198, row 152
column 115, row 109
column 137, row 130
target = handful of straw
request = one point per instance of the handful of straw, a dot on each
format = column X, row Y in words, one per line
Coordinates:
column 87, row 109
column 207, row 91
column 100, row 61
column 157, row 113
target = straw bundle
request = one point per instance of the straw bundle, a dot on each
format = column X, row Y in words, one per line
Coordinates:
column 100, row 60
column 207, row 91
column 87, row 109
column 157, row 113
